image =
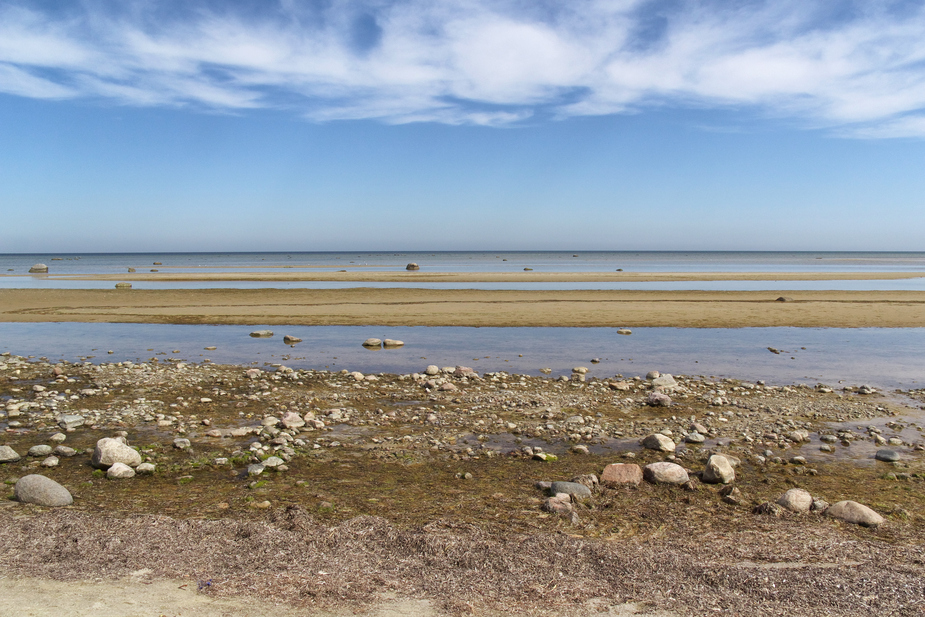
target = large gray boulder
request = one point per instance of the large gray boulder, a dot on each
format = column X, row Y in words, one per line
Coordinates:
column 853, row 512
column 718, row 470
column 109, row 451
column 572, row 489
column 42, row 491
column 39, row 269
column 8, row 455
column 665, row 473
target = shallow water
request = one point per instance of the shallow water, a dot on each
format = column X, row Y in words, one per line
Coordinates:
column 882, row 357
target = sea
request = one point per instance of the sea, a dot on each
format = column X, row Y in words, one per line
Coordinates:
column 883, row 357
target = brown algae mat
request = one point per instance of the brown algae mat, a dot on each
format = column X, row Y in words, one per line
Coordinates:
column 422, row 487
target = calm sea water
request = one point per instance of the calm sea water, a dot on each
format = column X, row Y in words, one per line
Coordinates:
column 16, row 266
column 883, row 357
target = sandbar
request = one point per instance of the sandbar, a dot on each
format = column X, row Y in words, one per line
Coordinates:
column 467, row 307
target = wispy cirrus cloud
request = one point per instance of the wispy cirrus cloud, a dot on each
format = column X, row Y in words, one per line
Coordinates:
column 855, row 67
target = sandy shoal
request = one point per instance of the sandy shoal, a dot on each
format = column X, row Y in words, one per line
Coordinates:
column 430, row 307
column 486, row 277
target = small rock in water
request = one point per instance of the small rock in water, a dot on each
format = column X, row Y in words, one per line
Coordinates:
column 181, row 443
column 412, row 266
column 262, row 333
column 624, row 331
column 887, row 456
column 64, row 451
column 109, row 451
column 372, row 342
column 291, row 340
column 123, row 285
column 41, row 491
column 658, row 442
column 40, row 450
column 51, row 461
column 694, row 437
column 145, row 468
column 38, row 269
column 390, row 342
column 653, row 375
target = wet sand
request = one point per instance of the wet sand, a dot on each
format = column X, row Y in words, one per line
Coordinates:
column 476, row 308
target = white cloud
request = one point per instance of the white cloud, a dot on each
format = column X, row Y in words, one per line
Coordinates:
column 489, row 62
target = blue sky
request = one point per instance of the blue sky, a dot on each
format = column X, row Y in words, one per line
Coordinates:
column 462, row 124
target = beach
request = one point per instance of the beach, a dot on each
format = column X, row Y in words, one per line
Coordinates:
column 475, row 308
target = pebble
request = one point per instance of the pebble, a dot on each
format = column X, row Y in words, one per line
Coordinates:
column 41, row 491
column 887, row 456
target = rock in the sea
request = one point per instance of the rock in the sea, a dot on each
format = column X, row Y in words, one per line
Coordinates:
column 119, row 471
column 853, row 512
column 658, row 399
column 40, row 450
column 390, row 342
column 262, row 333
column 624, row 331
column 658, row 442
column 665, row 473
column 38, row 269
column 8, row 455
column 123, row 285
column 372, row 342
column 618, row 474
column 573, row 489
column 109, row 451
column 291, row 340
column 887, row 456
column 718, row 470
column 412, row 266
column 41, row 491
column 796, row 500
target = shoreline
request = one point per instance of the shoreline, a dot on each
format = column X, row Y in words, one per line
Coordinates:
column 470, row 308
column 478, row 277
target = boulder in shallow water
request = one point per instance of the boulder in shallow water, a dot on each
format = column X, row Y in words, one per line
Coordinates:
column 412, row 266
column 8, row 455
column 372, row 343
column 262, row 333
column 39, row 269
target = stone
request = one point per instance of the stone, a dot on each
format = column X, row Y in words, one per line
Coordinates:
column 665, row 473
column 770, row 509
column 412, row 266
column 853, row 512
column 572, row 489
column 38, row 269
column 255, row 470
column 665, row 382
column 718, row 470
column 887, row 456
column 580, row 370
column 51, row 461
column 147, row 468
column 372, row 342
column 580, row 449
column 784, row 299
column 58, row 437
column 658, row 399
column 392, row 343
column 558, row 504
column 618, row 474
column 273, row 461
column 109, row 451
column 64, row 451
column 291, row 340
column 659, row 442
column 694, row 437
column 447, row 387
column 545, row 457
column 432, row 369
column 262, row 333
column 291, row 419
column 8, row 455
column 181, row 443
column 123, row 285
column 796, row 500
column 41, row 491
column 464, row 371
column 624, row 331
column 40, row 450
column 120, row 471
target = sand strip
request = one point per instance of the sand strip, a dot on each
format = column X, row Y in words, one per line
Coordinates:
column 429, row 307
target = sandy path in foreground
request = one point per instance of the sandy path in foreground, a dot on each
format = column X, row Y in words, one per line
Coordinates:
column 427, row 307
